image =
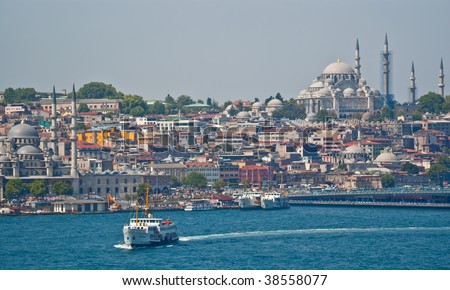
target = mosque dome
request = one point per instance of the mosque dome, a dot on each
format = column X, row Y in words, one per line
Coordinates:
column 4, row 159
column 338, row 67
column 28, row 150
column 275, row 103
column 23, row 131
column 317, row 84
column 387, row 157
column 348, row 92
column 56, row 158
column 354, row 149
column 311, row 117
column 243, row 115
column 257, row 105
column 366, row 116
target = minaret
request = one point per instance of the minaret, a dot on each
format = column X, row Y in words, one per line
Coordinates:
column 386, row 69
column 412, row 85
column 73, row 137
column 441, row 79
column 357, row 59
column 53, row 128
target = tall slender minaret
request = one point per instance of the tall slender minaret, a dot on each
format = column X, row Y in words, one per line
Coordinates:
column 73, row 137
column 386, row 69
column 357, row 59
column 441, row 79
column 412, row 85
column 53, row 128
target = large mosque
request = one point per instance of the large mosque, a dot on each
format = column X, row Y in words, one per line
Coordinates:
column 340, row 88
column 25, row 155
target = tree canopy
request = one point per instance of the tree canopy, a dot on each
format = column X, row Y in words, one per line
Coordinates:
column 62, row 188
column 436, row 170
column 14, row 188
column 195, row 179
column 432, row 103
column 387, row 180
column 98, row 90
column 37, row 187
column 20, row 95
column 410, row 168
column 291, row 110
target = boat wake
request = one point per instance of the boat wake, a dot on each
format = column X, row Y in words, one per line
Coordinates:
column 305, row 231
column 123, row 246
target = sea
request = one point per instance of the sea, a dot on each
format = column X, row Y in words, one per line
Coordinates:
column 301, row 237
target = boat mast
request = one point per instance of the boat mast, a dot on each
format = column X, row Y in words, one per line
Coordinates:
column 146, row 201
column 137, row 209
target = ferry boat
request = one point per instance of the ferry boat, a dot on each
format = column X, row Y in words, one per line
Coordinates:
column 274, row 200
column 199, row 204
column 250, row 200
column 149, row 230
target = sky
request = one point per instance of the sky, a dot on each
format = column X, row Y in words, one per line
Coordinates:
column 222, row 49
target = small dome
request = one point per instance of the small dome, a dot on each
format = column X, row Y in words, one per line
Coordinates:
column 243, row 115
column 366, row 116
column 376, row 92
column 257, row 105
column 311, row 117
column 349, row 92
column 324, row 91
column 360, row 92
column 56, row 158
column 4, row 159
column 317, row 84
column 387, row 157
column 338, row 68
column 354, row 149
column 275, row 103
column 23, row 131
column 28, row 150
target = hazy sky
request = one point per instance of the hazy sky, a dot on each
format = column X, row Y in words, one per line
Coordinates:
column 227, row 49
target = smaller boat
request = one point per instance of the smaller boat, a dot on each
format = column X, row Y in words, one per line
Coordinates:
column 199, row 204
column 149, row 230
column 274, row 200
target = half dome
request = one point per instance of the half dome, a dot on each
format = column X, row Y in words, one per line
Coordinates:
column 23, row 131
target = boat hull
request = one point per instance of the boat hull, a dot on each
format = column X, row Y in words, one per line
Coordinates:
column 147, row 236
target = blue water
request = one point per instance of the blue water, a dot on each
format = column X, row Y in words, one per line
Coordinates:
column 302, row 237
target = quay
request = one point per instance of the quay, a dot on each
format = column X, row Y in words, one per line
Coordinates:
column 370, row 204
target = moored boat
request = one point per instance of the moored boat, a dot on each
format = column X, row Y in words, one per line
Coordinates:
column 199, row 204
column 250, row 200
column 274, row 200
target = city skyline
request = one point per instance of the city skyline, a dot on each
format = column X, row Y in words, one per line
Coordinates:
column 225, row 51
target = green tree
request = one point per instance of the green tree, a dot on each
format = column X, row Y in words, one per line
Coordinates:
column 226, row 104
column 98, row 90
column 157, row 108
column 142, row 190
column 174, row 181
column 291, row 110
column 184, row 100
column 416, row 115
column 209, row 101
column 219, row 184
column 83, row 108
column 19, row 95
column 14, row 188
column 436, row 170
column 130, row 102
column 387, row 180
column 200, row 101
column 431, row 103
column 195, row 179
column 37, row 188
column 62, row 188
column 137, row 111
column 169, row 100
column 245, row 184
column 410, row 168
column 387, row 113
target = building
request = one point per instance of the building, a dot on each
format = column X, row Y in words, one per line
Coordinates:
column 94, row 105
column 341, row 89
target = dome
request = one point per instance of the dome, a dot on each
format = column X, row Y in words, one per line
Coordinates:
column 23, row 131
column 243, row 115
column 317, row 84
column 387, row 157
column 360, row 92
column 4, row 159
column 376, row 92
column 338, row 68
column 354, row 149
column 348, row 92
column 324, row 91
column 311, row 117
column 257, row 105
column 28, row 150
column 56, row 158
column 275, row 103
column 366, row 116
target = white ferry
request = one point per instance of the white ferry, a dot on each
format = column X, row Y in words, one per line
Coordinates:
column 199, row 204
column 250, row 200
column 149, row 230
column 274, row 200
